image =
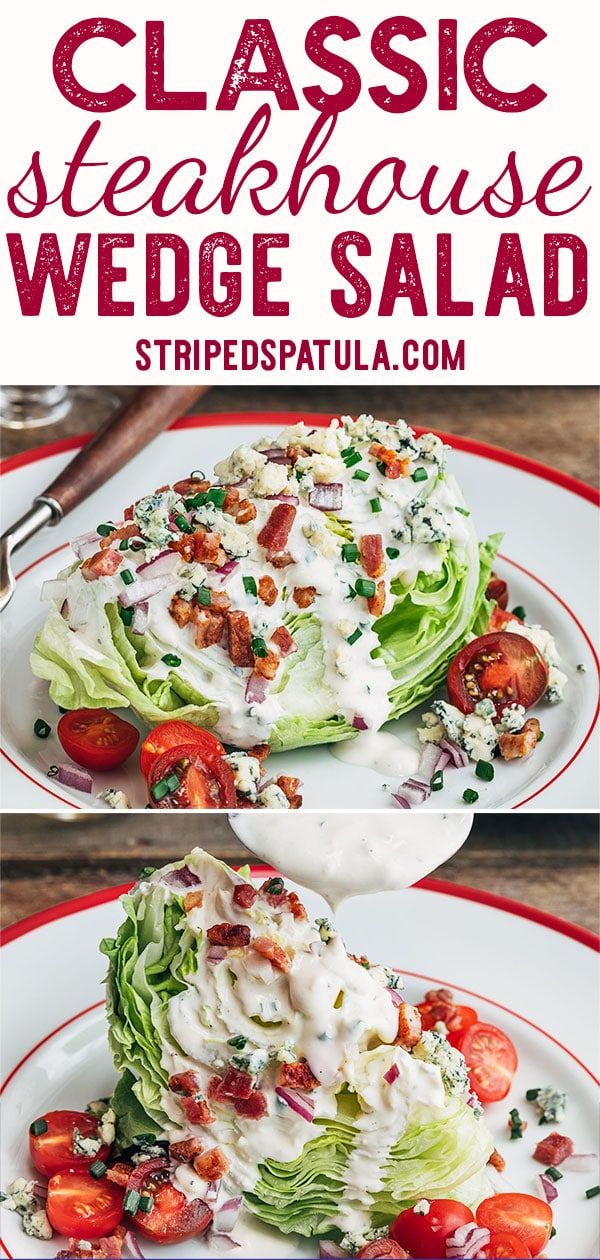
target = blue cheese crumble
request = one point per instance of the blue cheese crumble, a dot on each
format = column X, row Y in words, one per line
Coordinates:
column 21, row 1199
column 152, row 515
column 551, row 1105
column 433, row 1048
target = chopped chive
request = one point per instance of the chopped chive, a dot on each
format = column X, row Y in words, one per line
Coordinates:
column 470, row 796
column 146, row 872
column 170, row 659
column 97, row 1169
column 553, row 1232
column 392, row 552
column 131, row 1202
column 361, row 474
column 145, row 1139
column 420, row 474
column 104, row 530
column 250, row 586
column 275, row 887
column 127, row 577
column 160, row 790
column 197, row 501
column 203, row 596
column 126, row 615
column 259, row 647
column 351, row 456
column 146, row 1203
column 375, row 505
column 238, row 1043
column 197, row 475
column 349, row 552
column 515, row 1124
column 183, row 524
column 124, row 544
column 484, row 770
column 366, row 587
column 216, row 495
column 381, row 467
column 592, row 1192
column 355, row 636
column 531, row 1095
column 38, row 1127
column 436, row 781
column 519, row 611
column 540, row 737
column 553, row 1173
column 172, row 782
column 463, row 511
column 41, row 728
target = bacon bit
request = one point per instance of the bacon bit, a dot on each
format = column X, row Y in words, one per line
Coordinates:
column 382, row 1247
column 275, row 532
column 246, row 512
column 101, row 564
column 231, row 500
column 184, row 545
column 252, row 1108
column 376, row 603
column 232, row 935
column 283, row 640
column 119, row 1174
column 193, row 901
column 275, row 899
column 181, row 610
column 244, row 895
column 267, row 590
column 440, row 995
column 296, row 906
column 523, row 743
column 184, row 1083
column 554, row 1149
column 297, row 1076
column 108, row 1248
column 207, row 547
column 282, row 560
column 239, row 633
column 267, row 665
column 219, row 601
column 275, row 954
column 214, row 1090
column 236, row 1084
column 260, row 751
column 371, row 554
column 289, row 786
column 361, row 960
column 409, row 1026
column 304, row 596
column 395, row 467
column 497, row 1161
column 212, row 1165
column 209, row 627
column 128, row 513
column 197, row 1110
column 185, row 1151
column 124, row 531
column 189, row 487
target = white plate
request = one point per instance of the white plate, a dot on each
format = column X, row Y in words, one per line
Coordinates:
column 55, row 1052
column 543, row 514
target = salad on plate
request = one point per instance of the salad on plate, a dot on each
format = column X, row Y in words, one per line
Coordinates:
column 318, row 585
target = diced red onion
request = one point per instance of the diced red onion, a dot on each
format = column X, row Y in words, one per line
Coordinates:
column 546, row 1188
column 297, row 1102
column 74, row 777
column 580, row 1163
column 182, row 877
column 256, row 688
column 226, row 1216
column 275, row 455
column 429, row 760
column 359, row 723
column 55, row 588
column 330, row 1250
column 212, row 1191
column 133, row 1246
column 139, row 622
column 143, row 590
column 392, row 1074
column 327, row 496
column 40, row 1191
column 400, row 801
column 411, row 793
column 227, row 569
column 85, row 545
column 283, row 498
column 458, row 756
column 467, row 1241
column 216, row 953
column 396, row 997
column 165, row 562
column 224, row 1242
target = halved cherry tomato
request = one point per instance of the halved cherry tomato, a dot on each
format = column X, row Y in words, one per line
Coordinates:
column 172, row 1217
column 202, row 784
column 497, row 589
column 425, row 1235
column 522, row 1215
column 96, row 738
column 457, row 1019
column 491, row 1060
column 500, row 619
column 173, row 733
column 503, row 1246
column 502, row 667
column 52, row 1151
column 80, row 1207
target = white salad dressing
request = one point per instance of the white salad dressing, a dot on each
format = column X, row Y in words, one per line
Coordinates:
column 341, row 855
column 379, row 750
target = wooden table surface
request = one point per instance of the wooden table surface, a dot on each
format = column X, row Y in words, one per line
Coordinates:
column 558, row 426
column 545, row 860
